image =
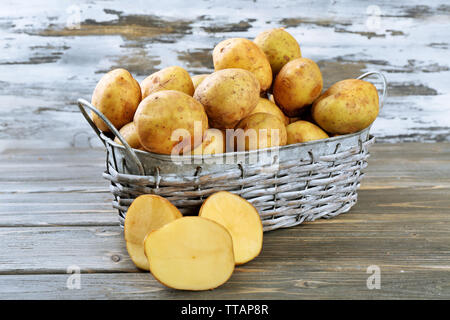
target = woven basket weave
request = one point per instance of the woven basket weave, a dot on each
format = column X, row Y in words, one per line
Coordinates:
column 287, row 185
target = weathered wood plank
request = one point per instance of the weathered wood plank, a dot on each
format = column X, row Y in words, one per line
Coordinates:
column 244, row 284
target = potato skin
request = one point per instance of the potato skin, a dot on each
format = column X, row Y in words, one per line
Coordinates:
column 266, row 106
column 163, row 112
column 279, row 46
column 213, row 143
column 130, row 135
column 228, row 96
column 261, row 121
column 117, row 95
column 197, row 79
column 243, row 54
column 170, row 78
column 347, row 106
column 297, row 85
column 304, row 131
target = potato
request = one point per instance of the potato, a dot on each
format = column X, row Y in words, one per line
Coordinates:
column 130, row 135
column 297, row 85
column 170, row 119
column 117, row 95
column 228, row 96
column 347, row 106
column 279, row 46
column 266, row 106
column 294, row 119
column 146, row 214
column 240, row 218
column 304, row 131
column 191, row 253
column 260, row 130
column 197, row 79
column 171, row 78
column 243, row 54
column 213, row 143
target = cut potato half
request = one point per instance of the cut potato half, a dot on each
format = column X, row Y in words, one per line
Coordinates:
column 240, row 218
column 190, row 253
column 146, row 214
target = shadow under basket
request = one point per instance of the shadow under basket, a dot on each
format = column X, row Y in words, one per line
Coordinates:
column 287, row 185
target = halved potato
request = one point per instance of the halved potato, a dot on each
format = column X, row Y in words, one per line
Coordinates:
column 146, row 213
column 191, row 253
column 240, row 218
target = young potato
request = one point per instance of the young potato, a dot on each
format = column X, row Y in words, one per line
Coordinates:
column 266, row 106
column 130, row 135
column 228, row 96
column 347, row 106
column 213, row 143
column 197, row 79
column 117, row 95
column 146, row 213
column 304, row 131
column 297, row 85
column 168, row 119
column 240, row 218
column 191, row 253
column 171, row 78
column 260, row 130
column 243, row 54
column 279, row 46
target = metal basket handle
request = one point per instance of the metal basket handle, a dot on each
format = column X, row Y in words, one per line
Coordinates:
column 82, row 104
column 383, row 80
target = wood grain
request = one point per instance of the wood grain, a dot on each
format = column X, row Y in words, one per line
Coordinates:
column 401, row 223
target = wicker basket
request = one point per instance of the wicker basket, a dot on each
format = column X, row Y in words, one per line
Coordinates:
column 287, row 185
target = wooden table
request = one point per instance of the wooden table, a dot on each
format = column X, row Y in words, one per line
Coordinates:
column 56, row 214
column 55, row 208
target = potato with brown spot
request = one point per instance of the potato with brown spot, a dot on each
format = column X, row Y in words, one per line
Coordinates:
column 116, row 95
column 304, row 131
column 266, row 106
column 170, row 119
column 228, row 96
column 170, row 78
column 260, row 130
column 279, row 46
column 297, row 85
column 243, row 54
column 197, row 79
column 129, row 133
column 347, row 106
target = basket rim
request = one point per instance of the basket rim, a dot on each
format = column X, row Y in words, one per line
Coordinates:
column 237, row 153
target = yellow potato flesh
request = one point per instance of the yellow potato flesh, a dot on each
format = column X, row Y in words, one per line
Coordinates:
column 260, row 130
column 170, row 78
column 279, row 46
column 241, row 219
column 347, row 106
column 116, row 95
column 146, row 214
column 191, row 253
column 304, row 131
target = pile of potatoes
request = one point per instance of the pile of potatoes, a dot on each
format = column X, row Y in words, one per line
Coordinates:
column 264, row 90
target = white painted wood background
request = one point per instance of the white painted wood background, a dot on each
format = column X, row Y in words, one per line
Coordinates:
column 53, row 52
